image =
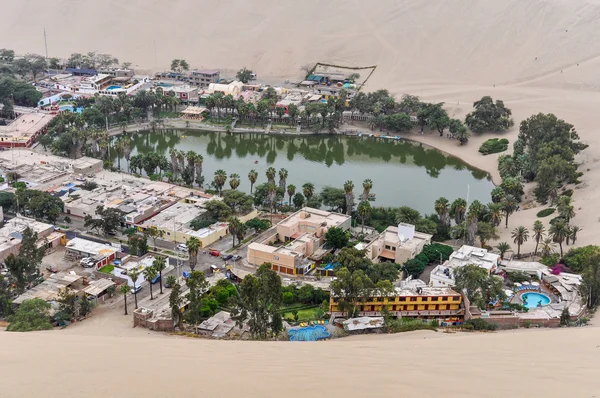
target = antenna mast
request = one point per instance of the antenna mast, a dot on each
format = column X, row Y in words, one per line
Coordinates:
column 46, row 43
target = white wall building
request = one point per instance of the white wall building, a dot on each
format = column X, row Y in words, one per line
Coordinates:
column 443, row 275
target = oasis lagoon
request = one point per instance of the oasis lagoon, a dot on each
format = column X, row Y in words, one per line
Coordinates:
column 403, row 173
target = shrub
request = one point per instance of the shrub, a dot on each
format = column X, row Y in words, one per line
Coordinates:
column 494, row 145
column 408, row 325
column 288, row 298
column 567, row 192
column 479, row 324
column 545, row 212
column 518, row 276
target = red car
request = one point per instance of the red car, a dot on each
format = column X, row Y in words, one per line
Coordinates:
column 214, row 253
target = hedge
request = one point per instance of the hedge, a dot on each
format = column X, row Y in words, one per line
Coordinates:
column 494, row 145
column 545, row 212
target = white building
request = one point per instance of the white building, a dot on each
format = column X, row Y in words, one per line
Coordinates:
column 443, row 275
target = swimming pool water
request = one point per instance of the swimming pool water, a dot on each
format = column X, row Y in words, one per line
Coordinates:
column 531, row 300
column 109, row 88
column 309, row 333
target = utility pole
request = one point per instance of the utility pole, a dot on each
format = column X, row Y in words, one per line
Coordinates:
column 46, row 43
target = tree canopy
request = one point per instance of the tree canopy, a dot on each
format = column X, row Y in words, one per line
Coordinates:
column 489, row 116
column 32, row 315
column 480, row 286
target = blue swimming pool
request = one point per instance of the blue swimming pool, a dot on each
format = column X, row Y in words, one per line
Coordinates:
column 109, row 88
column 533, row 300
column 71, row 108
column 309, row 333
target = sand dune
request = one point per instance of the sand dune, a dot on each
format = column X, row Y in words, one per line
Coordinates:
column 451, row 51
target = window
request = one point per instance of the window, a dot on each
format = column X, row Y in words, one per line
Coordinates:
column 444, row 298
column 387, row 247
column 413, row 299
column 402, row 298
column 455, row 298
column 275, row 257
column 434, row 299
column 393, row 248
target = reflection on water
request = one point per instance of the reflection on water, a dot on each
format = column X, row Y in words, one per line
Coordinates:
column 403, row 173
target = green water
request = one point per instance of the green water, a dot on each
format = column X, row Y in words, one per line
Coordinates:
column 403, row 173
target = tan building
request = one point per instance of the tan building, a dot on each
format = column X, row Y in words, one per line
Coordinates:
column 297, row 241
column 11, row 235
column 398, row 244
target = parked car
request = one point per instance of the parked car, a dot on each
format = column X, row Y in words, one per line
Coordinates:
column 136, row 289
column 87, row 262
column 52, row 268
column 236, row 258
column 156, row 279
column 227, row 257
column 182, row 247
column 214, row 253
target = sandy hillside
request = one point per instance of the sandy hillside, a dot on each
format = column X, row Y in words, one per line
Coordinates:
column 451, row 51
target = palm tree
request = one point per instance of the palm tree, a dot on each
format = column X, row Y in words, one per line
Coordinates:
column 495, row 213
column 271, row 195
column 171, row 280
column 462, row 135
column 291, row 190
column 509, row 205
column 159, row 264
column 348, row 187
column 520, row 236
column 191, row 161
column 458, row 210
column 193, row 244
column 367, row 186
column 283, row 175
column 234, row 181
column 538, row 234
column 547, row 247
column 219, row 180
column 198, row 164
column 126, row 145
column 134, row 275
column 174, row 165
column 503, row 247
column 364, row 210
column 308, row 189
column 567, row 212
column 559, row 232
column 271, row 172
column 119, row 150
column 149, row 274
column 124, row 290
column 442, row 209
column 234, row 226
column 252, row 176
column 472, row 218
column 573, row 233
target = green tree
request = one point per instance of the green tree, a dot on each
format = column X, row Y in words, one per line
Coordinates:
column 244, row 75
column 443, row 210
column 193, row 245
column 364, row 210
column 134, row 275
column 125, row 290
column 489, row 116
column 217, row 210
column 198, row 286
column 590, row 285
column 407, row 215
column 509, row 205
column 252, row 176
column 108, row 220
column 238, row 202
column 337, row 237
column 234, row 181
column 160, row 264
column 32, row 315
column 503, row 247
column 383, row 271
column 348, row 190
column 234, row 226
column 486, row 232
column 219, row 180
column 559, row 232
column 367, row 186
column 298, row 200
column 291, row 191
column 259, row 298
column 149, row 274
column 520, row 235
column 175, row 302
column 308, row 189
column 480, row 286
column 458, row 209
column 538, row 234
column 154, row 233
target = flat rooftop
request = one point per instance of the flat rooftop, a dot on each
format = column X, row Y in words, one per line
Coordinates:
column 90, row 247
column 315, row 216
column 391, row 236
column 48, row 289
column 175, row 217
column 24, row 127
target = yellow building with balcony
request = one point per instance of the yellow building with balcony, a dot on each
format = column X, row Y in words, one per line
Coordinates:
column 415, row 301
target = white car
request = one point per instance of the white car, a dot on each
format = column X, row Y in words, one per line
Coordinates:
column 182, row 247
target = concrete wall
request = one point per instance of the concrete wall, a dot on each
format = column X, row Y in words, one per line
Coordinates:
column 146, row 320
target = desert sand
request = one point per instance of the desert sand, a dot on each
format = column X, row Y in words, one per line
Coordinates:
column 105, row 357
column 536, row 55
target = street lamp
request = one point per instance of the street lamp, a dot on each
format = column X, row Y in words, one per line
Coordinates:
column 440, row 255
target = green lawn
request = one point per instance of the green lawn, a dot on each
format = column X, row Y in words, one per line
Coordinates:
column 107, row 269
column 309, row 314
